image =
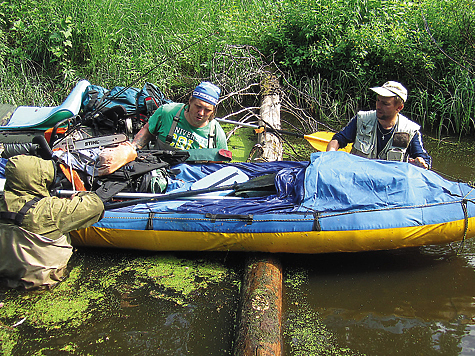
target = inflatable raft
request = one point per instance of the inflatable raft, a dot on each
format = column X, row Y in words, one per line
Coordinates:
column 335, row 203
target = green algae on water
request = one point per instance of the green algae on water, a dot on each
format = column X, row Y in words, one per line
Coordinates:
column 95, row 291
column 69, row 302
column 181, row 276
column 304, row 332
column 170, row 277
column 8, row 340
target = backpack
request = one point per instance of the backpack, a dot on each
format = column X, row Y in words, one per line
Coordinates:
column 135, row 101
column 119, row 110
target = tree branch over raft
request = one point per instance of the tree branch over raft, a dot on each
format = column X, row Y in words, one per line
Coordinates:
column 240, row 71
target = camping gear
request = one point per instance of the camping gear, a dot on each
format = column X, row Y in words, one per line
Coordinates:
column 133, row 100
column 257, row 183
column 224, row 176
column 112, row 158
column 334, row 203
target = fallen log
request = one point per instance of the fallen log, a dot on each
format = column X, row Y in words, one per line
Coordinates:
column 260, row 327
column 260, row 323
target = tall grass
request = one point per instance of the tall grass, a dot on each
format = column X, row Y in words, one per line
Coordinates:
column 332, row 50
column 112, row 42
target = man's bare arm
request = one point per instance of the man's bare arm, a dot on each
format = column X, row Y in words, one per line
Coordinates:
column 142, row 137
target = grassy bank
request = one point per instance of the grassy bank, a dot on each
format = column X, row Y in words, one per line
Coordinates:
column 331, row 50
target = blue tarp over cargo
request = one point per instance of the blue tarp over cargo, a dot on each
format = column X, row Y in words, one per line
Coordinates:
column 330, row 182
column 337, row 202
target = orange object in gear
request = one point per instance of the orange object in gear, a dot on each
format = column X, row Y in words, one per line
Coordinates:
column 78, row 183
column 60, row 130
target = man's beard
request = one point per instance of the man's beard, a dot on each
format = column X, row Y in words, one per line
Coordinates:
column 383, row 117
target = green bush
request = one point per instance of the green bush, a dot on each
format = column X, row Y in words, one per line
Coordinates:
column 335, row 50
column 355, row 44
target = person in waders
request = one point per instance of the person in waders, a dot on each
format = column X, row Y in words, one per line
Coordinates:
column 34, row 242
column 384, row 133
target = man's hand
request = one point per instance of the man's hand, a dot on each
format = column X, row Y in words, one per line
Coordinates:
column 333, row 145
column 418, row 161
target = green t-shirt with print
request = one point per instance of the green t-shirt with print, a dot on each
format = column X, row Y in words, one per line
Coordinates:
column 185, row 136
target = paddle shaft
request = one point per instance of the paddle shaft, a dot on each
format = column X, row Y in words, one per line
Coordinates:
column 283, row 132
column 258, row 182
column 171, row 196
column 132, row 195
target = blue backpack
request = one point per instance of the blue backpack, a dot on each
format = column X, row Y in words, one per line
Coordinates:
column 135, row 101
column 121, row 109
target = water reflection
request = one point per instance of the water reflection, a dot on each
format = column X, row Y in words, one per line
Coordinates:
column 451, row 158
column 409, row 302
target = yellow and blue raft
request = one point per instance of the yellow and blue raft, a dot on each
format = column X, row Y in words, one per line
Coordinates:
column 335, row 203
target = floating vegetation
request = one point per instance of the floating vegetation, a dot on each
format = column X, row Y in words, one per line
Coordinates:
column 8, row 339
column 180, row 276
column 304, row 332
column 104, row 289
column 69, row 302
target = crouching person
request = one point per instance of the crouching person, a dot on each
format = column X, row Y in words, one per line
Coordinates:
column 35, row 246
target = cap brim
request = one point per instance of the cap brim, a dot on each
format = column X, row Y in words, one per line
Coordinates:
column 387, row 93
column 383, row 92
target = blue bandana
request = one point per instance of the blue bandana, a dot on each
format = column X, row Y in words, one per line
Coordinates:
column 208, row 92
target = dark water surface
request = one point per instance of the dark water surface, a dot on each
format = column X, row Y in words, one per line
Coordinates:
column 405, row 302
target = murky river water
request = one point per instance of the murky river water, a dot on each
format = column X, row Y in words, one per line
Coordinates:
column 405, row 302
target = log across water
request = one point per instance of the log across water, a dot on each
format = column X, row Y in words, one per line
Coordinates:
column 260, row 324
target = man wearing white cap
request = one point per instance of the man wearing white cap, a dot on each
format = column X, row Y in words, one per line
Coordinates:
column 384, row 133
column 186, row 126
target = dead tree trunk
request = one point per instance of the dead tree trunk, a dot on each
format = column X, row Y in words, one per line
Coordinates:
column 260, row 324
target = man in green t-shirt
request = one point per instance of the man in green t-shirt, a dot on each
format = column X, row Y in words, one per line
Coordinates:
column 185, row 127
column 188, row 126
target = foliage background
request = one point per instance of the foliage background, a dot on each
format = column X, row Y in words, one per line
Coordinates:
column 330, row 50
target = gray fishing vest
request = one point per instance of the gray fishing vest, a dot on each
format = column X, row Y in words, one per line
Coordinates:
column 366, row 137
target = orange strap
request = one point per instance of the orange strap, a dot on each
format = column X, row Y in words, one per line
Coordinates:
column 78, row 183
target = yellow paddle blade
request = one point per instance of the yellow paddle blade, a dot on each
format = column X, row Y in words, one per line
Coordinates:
column 319, row 140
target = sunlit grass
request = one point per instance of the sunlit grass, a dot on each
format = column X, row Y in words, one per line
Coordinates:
column 342, row 47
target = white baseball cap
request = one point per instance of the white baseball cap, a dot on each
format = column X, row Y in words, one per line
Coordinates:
column 391, row 89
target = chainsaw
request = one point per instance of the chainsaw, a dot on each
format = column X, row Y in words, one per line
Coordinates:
column 91, row 142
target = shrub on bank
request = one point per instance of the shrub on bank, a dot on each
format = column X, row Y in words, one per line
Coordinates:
column 334, row 50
